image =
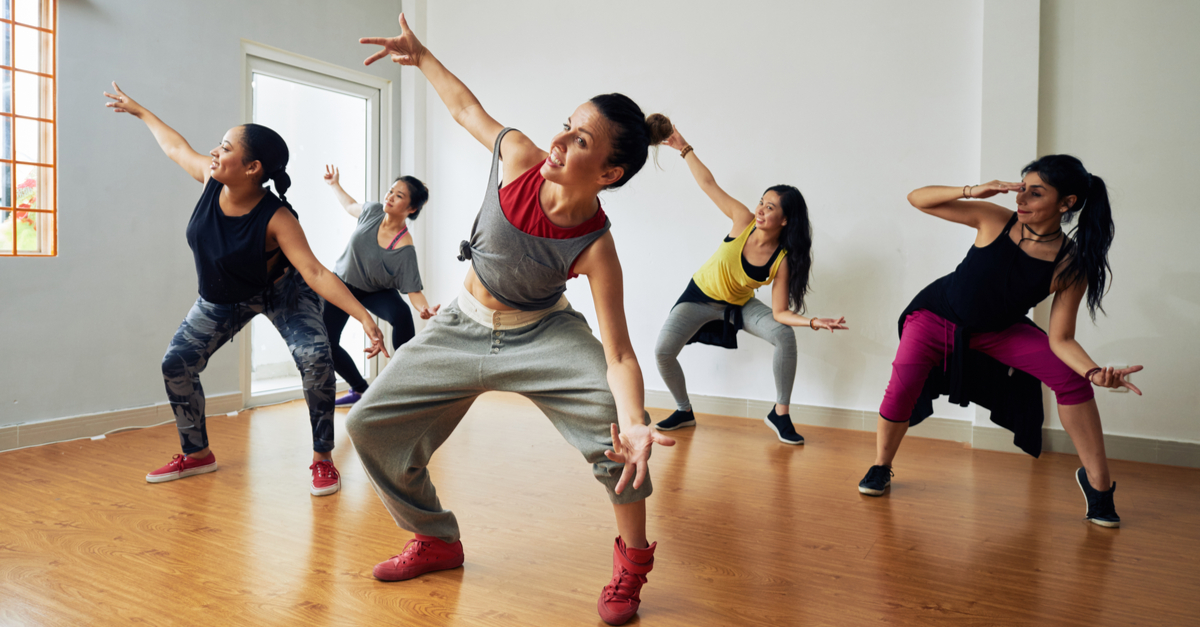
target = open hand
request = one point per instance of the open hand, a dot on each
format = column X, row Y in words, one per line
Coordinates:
column 428, row 312
column 987, row 190
column 123, row 103
column 1115, row 378
column 631, row 446
column 833, row 324
column 405, row 49
column 331, row 175
column 376, row 336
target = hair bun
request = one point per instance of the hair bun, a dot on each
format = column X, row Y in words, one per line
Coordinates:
column 660, row 128
column 282, row 181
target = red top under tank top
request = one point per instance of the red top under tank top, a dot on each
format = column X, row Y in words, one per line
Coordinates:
column 521, row 205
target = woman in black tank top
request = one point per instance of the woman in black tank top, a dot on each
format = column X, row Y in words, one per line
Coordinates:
column 246, row 241
column 1018, row 260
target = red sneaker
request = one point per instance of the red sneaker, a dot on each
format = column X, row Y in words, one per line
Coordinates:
column 182, row 466
column 620, row 599
column 325, row 478
column 422, row 554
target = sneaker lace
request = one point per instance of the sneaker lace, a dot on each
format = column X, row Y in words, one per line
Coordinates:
column 177, row 461
column 325, row 470
column 624, row 586
column 406, row 554
column 877, row 473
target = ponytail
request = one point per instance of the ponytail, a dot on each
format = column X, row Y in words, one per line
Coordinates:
column 796, row 239
column 1090, row 239
column 268, row 148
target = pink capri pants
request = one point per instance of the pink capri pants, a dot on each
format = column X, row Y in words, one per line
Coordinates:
column 928, row 340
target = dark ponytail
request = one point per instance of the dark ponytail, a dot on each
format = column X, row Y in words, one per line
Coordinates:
column 265, row 146
column 631, row 132
column 1087, row 259
column 796, row 239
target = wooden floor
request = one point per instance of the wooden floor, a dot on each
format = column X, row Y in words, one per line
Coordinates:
column 750, row 532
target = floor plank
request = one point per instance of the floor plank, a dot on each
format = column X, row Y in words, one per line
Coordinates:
column 750, row 532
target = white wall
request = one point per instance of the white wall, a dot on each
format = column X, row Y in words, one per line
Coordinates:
column 85, row 332
column 854, row 103
column 1119, row 90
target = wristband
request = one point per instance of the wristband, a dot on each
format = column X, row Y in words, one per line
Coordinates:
column 684, row 153
column 811, row 322
column 1091, row 372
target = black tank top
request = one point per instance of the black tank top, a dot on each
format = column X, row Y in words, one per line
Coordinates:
column 231, row 258
column 996, row 285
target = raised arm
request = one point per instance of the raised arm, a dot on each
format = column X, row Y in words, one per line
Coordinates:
column 946, row 203
column 171, row 142
column 736, row 211
column 352, row 207
column 518, row 151
column 632, row 442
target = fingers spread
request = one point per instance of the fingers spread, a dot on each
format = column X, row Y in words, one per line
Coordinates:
column 375, row 57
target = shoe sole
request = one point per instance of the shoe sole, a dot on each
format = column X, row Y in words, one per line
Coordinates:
column 183, row 474
column 688, row 423
column 780, row 436
column 315, row 491
column 1109, row 524
column 871, row 492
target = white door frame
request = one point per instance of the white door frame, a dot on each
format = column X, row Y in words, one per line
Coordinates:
column 264, row 59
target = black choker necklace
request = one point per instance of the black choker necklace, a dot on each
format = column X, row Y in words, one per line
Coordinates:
column 1057, row 234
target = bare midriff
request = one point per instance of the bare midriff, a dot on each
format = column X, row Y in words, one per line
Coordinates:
column 481, row 294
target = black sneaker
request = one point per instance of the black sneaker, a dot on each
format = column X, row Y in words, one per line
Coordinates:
column 877, row 480
column 782, row 426
column 1100, row 508
column 677, row 420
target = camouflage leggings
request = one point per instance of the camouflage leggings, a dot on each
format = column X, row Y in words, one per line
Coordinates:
column 295, row 310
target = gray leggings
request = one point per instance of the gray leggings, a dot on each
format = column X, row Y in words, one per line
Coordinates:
column 423, row 393
column 687, row 318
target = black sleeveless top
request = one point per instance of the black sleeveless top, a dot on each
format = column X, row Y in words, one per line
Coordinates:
column 231, row 257
column 993, row 288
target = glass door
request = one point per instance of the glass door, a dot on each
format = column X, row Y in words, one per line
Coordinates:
column 325, row 120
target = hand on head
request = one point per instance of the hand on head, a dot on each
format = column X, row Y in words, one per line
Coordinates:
column 987, row 190
column 331, row 175
column 405, row 49
column 123, row 103
column 676, row 140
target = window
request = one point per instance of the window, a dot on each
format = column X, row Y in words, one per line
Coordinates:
column 28, row 210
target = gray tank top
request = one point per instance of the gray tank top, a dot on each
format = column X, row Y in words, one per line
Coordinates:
column 522, row 271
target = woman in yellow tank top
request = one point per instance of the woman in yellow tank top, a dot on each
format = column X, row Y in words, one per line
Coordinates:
column 770, row 245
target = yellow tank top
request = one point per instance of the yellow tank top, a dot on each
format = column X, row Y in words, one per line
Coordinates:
column 722, row 276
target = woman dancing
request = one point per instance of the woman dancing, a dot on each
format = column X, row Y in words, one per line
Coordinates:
column 972, row 321
column 378, row 261
column 251, row 258
column 512, row 329
column 719, row 300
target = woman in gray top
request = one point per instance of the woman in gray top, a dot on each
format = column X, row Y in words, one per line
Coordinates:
column 379, row 261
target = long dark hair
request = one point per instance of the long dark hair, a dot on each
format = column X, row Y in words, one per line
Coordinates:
column 632, row 133
column 796, row 239
column 1087, row 259
column 265, row 146
column 418, row 194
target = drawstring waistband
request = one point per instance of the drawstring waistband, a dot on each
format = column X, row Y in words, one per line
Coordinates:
column 504, row 320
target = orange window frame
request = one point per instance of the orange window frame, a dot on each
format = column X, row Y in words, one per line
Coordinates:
column 48, row 14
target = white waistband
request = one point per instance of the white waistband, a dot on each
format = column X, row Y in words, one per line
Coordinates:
column 504, row 320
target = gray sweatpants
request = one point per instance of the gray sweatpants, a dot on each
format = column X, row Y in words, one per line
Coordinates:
column 423, row 393
column 687, row 318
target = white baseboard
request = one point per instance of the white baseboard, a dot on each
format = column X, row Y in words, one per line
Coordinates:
column 91, row 425
column 1124, row 447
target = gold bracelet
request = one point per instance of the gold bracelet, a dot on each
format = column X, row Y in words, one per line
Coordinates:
column 684, row 153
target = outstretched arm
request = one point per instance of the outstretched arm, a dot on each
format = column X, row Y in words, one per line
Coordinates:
column 347, row 201
column 422, row 305
column 171, row 142
column 783, row 315
column 1064, row 310
column 739, row 213
column 286, row 230
column 632, row 441
column 518, row 151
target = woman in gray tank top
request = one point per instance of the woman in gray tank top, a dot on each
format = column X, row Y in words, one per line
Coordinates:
column 511, row 329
